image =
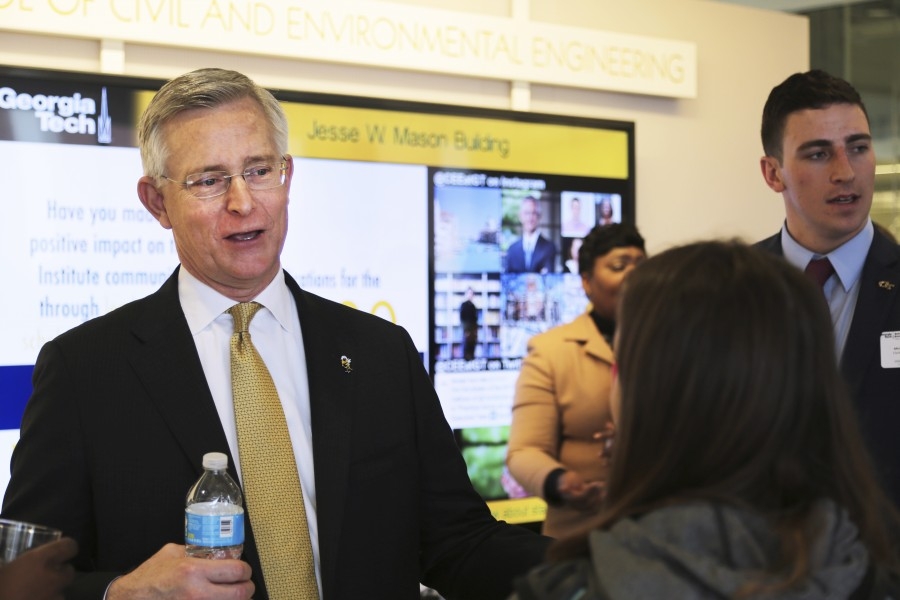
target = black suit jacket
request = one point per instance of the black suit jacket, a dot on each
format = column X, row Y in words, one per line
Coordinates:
column 121, row 415
column 543, row 258
column 875, row 390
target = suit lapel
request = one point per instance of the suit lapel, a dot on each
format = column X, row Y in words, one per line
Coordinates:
column 771, row 244
column 879, row 284
column 331, row 394
column 168, row 367
column 584, row 330
column 878, row 289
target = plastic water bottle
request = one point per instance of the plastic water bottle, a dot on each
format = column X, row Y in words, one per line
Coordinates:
column 214, row 512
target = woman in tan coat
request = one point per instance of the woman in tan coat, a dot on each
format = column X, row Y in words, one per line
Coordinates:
column 562, row 394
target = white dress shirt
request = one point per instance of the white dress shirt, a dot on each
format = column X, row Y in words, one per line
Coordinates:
column 842, row 288
column 529, row 241
column 275, row 332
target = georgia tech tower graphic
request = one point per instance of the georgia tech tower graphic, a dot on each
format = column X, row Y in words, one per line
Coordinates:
column 75, row 114
column 104, row 122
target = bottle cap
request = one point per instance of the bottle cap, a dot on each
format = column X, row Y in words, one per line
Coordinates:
column 215, row 460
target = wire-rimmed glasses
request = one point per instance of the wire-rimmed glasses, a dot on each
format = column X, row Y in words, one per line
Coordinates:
column 210, row 184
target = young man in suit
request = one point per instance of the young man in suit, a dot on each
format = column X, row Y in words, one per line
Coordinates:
column 124, row 406
column 819, row 157
column 531, row 253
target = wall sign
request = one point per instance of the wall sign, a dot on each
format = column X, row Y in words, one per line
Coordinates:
column 380, row 34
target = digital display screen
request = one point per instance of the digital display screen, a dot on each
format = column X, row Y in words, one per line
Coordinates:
column 404, row 210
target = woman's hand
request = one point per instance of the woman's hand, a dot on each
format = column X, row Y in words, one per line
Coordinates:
column 578, row 493
column 607, row 437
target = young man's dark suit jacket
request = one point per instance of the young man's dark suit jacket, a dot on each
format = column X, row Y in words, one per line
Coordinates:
column 543, row 258
column 121, row 415
column 875, row 390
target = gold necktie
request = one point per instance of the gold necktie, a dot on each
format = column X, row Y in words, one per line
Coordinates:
column 269, row 471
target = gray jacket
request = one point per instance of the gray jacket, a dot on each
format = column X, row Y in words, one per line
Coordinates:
column 701, row 551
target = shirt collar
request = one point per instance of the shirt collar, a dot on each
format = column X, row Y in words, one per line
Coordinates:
column 847, row 259
column 202, row 305
column 531, row 238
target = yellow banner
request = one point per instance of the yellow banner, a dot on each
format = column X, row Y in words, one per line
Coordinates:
column 418, row 138
column 319, row 131
column 520, row 510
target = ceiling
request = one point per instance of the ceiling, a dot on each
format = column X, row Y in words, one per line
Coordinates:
column 791, row 5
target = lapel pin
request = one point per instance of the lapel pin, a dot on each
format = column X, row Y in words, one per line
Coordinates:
column 887, row 285
column 345, row 362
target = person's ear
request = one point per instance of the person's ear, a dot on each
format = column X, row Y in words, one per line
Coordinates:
column 288, row 174
column 586, row 285
column 153, row 200
column 771, row 172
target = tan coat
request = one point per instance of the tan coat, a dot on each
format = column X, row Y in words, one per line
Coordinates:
column 562, row 400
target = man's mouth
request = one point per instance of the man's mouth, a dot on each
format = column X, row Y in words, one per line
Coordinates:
column 845, row 199
column 245, row 236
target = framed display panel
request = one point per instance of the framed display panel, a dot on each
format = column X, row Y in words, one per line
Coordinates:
column 405, row 210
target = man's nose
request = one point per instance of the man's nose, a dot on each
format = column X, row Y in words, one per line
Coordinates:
column 238, row 197
column 842, row 167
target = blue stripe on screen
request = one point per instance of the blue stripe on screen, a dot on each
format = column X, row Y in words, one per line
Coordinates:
column 15, row 388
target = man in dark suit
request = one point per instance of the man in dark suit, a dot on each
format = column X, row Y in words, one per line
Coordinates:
column 819, row 157
column 125, row 406
column 532, row 253
column 468, row 318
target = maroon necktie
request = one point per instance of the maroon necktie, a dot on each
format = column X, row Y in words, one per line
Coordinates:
column 819, row 270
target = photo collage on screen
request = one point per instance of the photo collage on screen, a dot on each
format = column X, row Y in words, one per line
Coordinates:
column 457, row 276
column 505, row 269
column 510, row 249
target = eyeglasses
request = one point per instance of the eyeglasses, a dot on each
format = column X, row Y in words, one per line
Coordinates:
column 215, row 183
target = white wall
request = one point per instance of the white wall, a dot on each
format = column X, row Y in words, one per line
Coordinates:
column 697, row 159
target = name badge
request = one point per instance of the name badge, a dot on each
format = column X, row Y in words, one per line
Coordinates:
column 890, row 349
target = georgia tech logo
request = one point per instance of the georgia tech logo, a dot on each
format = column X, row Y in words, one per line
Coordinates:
column 73, row 114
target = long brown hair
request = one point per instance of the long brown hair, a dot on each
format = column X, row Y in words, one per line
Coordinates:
column 731, row 393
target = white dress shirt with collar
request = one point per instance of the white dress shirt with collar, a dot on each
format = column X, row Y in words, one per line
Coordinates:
column 842, row 288
column 275, row 332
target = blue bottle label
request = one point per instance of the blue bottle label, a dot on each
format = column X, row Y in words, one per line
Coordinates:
column 213, row 530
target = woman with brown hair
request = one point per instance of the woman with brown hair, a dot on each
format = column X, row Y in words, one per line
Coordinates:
column 738, row 470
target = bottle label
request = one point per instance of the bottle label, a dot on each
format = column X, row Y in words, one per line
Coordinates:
column 213, row 530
